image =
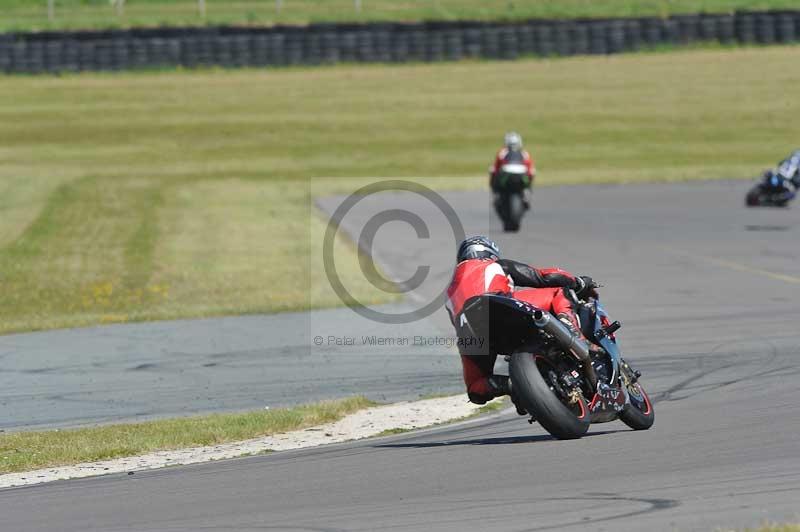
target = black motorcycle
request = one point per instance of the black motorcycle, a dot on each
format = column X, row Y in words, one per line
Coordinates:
column 510, row 186
column 553, row 376
column 773, row 190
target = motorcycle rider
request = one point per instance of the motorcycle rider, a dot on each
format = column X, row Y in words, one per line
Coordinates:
column 512, row 153
column 481, row 270
column 789, row 169
column 777, row 182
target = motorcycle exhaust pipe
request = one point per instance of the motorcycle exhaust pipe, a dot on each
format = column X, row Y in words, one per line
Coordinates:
column 571, row 342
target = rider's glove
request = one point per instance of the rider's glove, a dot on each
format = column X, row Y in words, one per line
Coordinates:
column 585, row 287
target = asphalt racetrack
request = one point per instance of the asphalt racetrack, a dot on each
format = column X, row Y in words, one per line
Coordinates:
column 707, row 293
column 140, row 371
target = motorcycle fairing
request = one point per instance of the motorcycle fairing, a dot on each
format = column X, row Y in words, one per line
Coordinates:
column 606, row 342
column 607, row 403
column 609, row 400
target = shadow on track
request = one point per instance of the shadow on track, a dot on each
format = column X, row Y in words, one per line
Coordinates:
column 506, row 440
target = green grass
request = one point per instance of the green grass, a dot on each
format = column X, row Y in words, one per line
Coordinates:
column 24, row 451
column 28, row 14
column 392, row 432
column 166, row 195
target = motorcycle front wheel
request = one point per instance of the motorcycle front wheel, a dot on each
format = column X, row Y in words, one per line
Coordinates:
column 754, row 197
column 535, row 382
column 638, row 414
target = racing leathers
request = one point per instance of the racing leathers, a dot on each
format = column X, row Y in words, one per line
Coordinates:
column 776, row 182
column 789, row 169
column 507, row 156
column 475, row 277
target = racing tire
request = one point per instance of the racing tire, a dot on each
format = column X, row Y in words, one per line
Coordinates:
column 516, row 208
column 638, row 414
column 754, row 197
column 542, row 400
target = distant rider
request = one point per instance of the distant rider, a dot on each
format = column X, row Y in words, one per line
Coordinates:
column 480, row 270
column 512, row 153
column 775, row 181
column 789, row 169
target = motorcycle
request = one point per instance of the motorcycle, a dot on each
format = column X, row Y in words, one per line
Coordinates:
column 772, row 191
column 510, row 187
column 553, row 376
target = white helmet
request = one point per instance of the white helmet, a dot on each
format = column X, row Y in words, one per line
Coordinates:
column 513, row 141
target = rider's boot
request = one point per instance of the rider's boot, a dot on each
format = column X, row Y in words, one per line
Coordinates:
column 501, row 385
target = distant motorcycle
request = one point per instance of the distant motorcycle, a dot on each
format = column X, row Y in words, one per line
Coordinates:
column 510, row 186
column 549, row 365
column 773, row 190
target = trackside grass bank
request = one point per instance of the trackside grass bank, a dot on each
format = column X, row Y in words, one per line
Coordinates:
column 189, row 194
column 23, row 14
column 23, row 451
column 34, row 457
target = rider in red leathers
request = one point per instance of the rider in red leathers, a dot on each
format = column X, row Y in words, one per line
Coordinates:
column 512, row 153
column 480, row 270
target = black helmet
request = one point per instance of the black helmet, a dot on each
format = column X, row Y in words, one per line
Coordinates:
column 477, row 247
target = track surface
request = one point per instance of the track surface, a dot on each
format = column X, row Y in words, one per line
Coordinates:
column 149, row 370
column 707, row 292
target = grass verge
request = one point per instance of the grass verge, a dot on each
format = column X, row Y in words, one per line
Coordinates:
column 24, row 451
column 23, row 14
column 392, row 432
column 173, row 195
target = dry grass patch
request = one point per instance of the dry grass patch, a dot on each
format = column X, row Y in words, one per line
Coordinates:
column 167, row 195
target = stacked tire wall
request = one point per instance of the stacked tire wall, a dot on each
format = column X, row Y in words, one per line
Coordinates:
column 424, row 42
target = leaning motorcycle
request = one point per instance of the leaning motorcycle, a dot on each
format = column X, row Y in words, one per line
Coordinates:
column 552, row 374
column 771, row 191
column 510, row 185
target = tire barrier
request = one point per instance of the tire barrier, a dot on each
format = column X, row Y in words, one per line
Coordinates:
column 318, row 44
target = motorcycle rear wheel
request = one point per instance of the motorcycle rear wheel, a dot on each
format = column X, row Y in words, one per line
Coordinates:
column 532, row 378
column 515, row 212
